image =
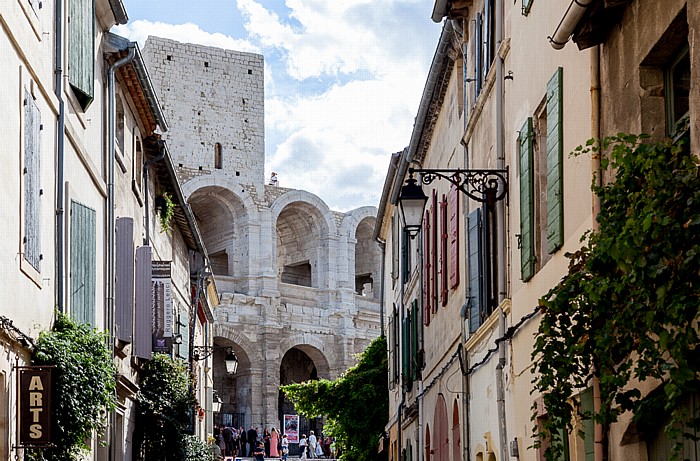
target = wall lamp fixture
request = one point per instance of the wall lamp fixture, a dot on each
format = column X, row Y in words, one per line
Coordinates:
column 484, row 186
column 203, row 352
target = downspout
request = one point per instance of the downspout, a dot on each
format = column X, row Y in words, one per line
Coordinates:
column 421, row 413
column 146, row 166
column 598, row 447
column 568, row 23
column 501, row 237
column 60, row 160
column 110, row 221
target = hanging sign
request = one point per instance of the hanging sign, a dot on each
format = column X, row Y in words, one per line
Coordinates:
column 162, row 302
column 34, row 409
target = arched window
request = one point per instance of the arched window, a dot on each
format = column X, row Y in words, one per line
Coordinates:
column 218, row 156
column 456, row 436
column 427, row 442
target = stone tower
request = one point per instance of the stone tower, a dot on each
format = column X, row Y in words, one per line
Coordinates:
column 297, row 280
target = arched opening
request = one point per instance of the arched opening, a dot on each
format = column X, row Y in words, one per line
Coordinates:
column 367, row 259
column 441, row 442
column 218, row 156
column 300, row 364
column 232, row 389
column 300, row 248
column 456, row 435
column 427, row 443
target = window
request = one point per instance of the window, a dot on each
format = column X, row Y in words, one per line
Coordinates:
column 83, row 263
column 81, row 50
column 542, row 417
column 405, row 256
column 478, row 310
column 541, row 182
column 588, row 425
column 32, row 182
column 394, row 327
column 119, row 124
column 484, row 45
column 677, row 92
column 137, row 169
column 394, row 250
column 218, row 156
column 527, row 5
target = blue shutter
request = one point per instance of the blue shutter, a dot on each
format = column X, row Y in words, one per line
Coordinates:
column 81, row 50
column 527, row 204
column 124, row 280
column 475, row 269
column 555, row 155
column 478, row 57
column 32, row 182
column 486, row 38
column 143, row 319
column 83, row 263
column 184, row 331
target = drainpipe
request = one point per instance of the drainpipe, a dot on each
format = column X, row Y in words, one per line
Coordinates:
column 60, row 149
column 501, row 238
column 110, row 221
column 568, row 23
column 598, row 447
column 162, row 151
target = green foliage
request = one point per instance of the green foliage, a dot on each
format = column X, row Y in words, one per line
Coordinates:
column 628, row 308
column 84, row 379
column 196, row 450
column 356, row 404
column 166, row 211
column 165, row 403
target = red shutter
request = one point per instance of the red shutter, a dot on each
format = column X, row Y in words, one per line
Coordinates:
column 435, row 249
column 454, row 236
column 443, row 250
column 426, row 268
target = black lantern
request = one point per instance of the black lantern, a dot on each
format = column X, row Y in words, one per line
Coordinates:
column 412, row 202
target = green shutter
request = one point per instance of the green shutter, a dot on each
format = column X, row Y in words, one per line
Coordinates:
column 405, row 351
column 475, row 270
column 588, row 424
column 83, row 263
column 415, row 322
column 555, row 155
column 527, row 203
column 81, row 49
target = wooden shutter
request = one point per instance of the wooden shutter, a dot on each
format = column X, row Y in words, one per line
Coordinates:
column 527, row 204
column 32, row 182
column 478, row 57
column 184, row 330
column 124, row 280
column 475, row 269
column 434, row 255
column 486, row 38
column 415, row 322
column 143, row 335
column 405, row 256
column 588, row 425
column 390, row 344
column 443, row 250
column 83, row 263
column 555, row 155
column 454, row 236
column 394, row 251
column 81, row 49
column 405, row 349
column 426, row 269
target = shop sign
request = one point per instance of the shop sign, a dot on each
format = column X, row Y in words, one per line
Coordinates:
column 34, row 409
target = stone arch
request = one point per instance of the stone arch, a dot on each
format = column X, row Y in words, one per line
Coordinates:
column 364, row 252
column 353, row 218
column 239, row 340
column 315, row 348
column 247, row 201
column 302, row 247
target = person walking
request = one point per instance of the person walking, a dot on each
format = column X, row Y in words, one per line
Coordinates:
column 319, row 449
column 312, row 444
column 303, row 444
column 242, row 441
column 252, row 437
column 228, row 439
column 285, row 447
column 274, row 442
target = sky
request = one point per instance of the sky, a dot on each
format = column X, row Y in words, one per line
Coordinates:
column 343, row 80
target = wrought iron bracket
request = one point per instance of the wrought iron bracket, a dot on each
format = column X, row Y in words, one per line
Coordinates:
column 484, row 186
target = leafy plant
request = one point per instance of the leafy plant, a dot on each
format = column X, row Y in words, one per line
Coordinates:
column 164, row 412
column 356, row 404
column 85, row 375
column 166, row 210
column 627, row 311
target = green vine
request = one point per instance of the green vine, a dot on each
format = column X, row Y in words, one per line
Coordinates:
column 166, row 211
column 85, row 382
column 164, row 413
column 627, row 311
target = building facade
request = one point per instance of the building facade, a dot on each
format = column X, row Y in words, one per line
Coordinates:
column 299, row 283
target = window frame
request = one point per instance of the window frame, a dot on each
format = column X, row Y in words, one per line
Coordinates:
column 674, row 127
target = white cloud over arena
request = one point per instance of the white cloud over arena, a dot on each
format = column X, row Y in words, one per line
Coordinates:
column 342, row 85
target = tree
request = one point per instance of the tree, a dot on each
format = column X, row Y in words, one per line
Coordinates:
column 627, row 310
column 356, row 404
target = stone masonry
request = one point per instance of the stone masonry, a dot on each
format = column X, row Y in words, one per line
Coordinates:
column 299, row 283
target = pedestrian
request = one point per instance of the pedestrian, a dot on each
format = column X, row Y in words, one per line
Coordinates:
column 303, row 443
column 285, row 447
column 274, row 443
column 319, row 450
column 243, row 441
column 252, row 438
column 259, row 451
column 312, row 444
column 228, row 438
column 273, row 179
column 266, row 442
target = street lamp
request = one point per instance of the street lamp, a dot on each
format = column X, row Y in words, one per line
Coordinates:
column 485, row 186
column 412, row 201
column 203, row 352
column 216, row 402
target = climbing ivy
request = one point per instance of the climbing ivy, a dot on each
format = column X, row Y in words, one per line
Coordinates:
column 627, row 310
column 356, row 404
column 84, row 379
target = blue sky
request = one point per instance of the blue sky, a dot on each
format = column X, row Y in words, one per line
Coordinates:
column 343, row 79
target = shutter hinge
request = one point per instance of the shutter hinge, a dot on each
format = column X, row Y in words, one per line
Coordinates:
column 41, row 257
column 25, row 170
column 520, row 240
column 24, row 102
column 41, row 191
column 41, row 127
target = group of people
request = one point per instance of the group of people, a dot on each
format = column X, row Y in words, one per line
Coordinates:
column 313, row 447
column 251, row 443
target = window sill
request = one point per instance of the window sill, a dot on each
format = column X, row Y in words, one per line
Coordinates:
column 32, row 17
column 29, row 270
column 486, row 328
